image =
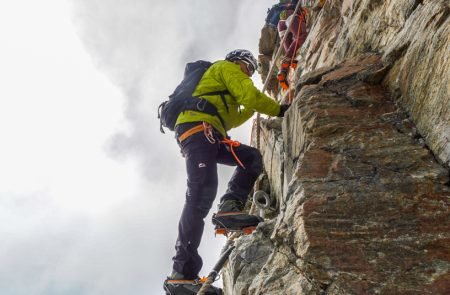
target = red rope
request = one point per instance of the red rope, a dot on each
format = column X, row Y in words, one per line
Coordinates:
column 291, row 77
column 232, row 144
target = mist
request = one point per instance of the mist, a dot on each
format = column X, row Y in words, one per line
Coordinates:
column 92, row 191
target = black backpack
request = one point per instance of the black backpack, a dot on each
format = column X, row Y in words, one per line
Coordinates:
column 182, row 100
column 273, row 14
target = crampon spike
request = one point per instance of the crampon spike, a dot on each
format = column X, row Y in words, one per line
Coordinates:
column 246, row 230
column 221, row 231
column 249, row 230
column 175, row 282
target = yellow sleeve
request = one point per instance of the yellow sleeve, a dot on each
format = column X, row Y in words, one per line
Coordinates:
column 245, row 93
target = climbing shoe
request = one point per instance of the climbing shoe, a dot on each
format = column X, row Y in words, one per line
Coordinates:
column 188, row 287
column 229, row 206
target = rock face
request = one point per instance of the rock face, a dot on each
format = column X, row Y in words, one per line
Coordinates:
column 359, row 166
column 366, row 207
column 267, row 46
column 414, row 38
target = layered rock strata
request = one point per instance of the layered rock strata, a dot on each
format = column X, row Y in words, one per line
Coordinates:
column 414, row 39
column 363, row 203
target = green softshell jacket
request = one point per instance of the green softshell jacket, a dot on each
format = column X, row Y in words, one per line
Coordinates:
column 244, row 98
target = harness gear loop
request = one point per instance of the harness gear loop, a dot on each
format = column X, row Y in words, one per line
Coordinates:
column 208, row 131
column 232, row 144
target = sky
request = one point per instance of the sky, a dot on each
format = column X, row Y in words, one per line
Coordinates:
column 90, row 190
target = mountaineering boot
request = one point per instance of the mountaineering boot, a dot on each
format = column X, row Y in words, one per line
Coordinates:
column 283, row 75
column 187, row 287
column 294, row 64
column 235, row 222
column 230, row 206
column 230, row 218
column 176, row 276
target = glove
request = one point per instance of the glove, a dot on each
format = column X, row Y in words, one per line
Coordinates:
column 283, row 109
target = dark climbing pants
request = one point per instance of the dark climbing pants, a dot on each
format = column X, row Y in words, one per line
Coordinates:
column 201, row 163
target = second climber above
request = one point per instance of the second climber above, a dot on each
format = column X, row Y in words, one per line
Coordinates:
column 294, row 26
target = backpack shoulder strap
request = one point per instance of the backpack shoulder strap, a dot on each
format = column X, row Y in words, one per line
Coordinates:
column 222, row 96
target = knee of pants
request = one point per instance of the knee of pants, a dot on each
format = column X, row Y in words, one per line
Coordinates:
column 201, row 195
column 255, row 166
column 200, row 209
column 201, row 199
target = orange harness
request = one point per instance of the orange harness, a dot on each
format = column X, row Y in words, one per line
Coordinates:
column 192, row 131
column 207, row 129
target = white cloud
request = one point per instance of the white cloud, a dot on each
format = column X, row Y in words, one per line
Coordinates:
column 73, row 220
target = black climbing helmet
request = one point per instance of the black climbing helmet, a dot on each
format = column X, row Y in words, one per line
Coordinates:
column 245, row 56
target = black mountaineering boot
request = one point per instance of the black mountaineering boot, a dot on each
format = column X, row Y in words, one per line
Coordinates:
column 229, row 206
column 230, row 218
column 187, row 287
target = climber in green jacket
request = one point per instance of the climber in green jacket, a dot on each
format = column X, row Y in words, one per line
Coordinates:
column 233, row 77
column 204, row 143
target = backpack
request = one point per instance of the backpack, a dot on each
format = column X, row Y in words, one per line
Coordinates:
column 273, row 14
column 182, row 100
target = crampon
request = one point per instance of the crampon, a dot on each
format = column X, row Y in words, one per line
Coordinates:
column 188, row 287
column 235, row 222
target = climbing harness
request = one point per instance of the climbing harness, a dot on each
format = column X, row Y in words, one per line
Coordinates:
column 192, row 131
column 208, row 131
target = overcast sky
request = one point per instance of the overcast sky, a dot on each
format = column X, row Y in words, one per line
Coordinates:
column 90, row 190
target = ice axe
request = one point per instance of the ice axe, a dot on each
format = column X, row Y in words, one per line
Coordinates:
column 215, row 272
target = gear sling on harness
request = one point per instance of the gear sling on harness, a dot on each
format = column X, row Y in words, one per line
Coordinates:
column 206, row 128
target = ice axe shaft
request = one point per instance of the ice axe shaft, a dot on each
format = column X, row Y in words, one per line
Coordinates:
column 216, row 269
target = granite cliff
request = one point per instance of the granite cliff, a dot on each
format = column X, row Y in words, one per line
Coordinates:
column 359, row 168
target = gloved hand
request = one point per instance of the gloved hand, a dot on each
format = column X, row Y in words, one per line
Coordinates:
column 283, row 109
